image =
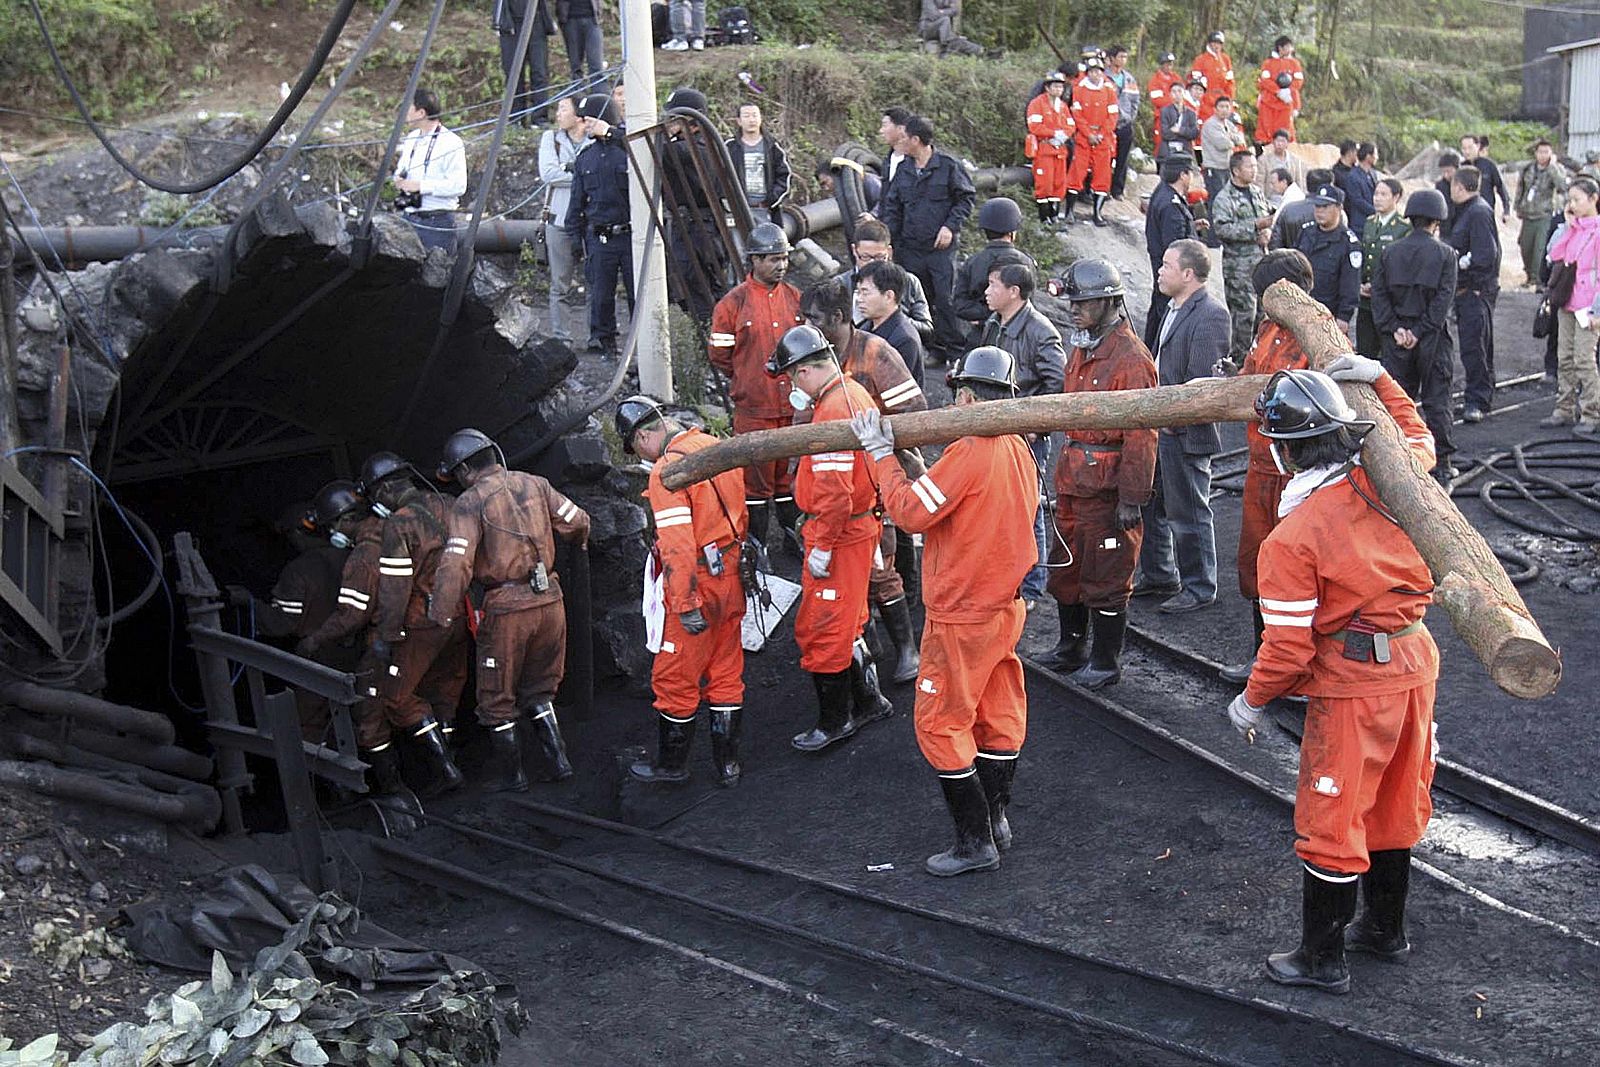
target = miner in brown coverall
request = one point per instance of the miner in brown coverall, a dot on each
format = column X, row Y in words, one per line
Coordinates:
column 502, row 533
column 427, row 664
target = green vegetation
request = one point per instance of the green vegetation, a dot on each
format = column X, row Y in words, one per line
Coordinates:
column 116, row 50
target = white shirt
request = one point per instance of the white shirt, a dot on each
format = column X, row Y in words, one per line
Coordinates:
column 438, row 160
column 895, row 159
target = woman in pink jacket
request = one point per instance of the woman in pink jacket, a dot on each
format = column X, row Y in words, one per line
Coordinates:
column 1577, row 378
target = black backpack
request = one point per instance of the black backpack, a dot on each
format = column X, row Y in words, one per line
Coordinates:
column 736, row 26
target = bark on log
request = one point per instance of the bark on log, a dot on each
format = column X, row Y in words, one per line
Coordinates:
column 81, row 707
column 1204, row 400
column 1483, row 605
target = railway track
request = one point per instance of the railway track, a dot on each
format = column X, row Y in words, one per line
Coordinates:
column 906, row 970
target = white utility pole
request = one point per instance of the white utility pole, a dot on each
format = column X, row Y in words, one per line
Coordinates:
column 649, row 272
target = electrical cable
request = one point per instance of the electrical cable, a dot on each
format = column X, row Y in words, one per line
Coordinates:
column 308, row 75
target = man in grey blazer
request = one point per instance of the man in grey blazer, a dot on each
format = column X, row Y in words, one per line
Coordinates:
column 1179, row 557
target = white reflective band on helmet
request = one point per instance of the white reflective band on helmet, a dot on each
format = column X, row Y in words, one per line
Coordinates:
column 899, row 394
column 567, row 511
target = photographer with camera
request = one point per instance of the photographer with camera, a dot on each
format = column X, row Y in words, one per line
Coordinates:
column 430, row 174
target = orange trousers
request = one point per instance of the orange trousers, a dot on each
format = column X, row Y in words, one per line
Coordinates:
column 834, row 609
column 1103, row 554
column 1093, row 161
column 1049, row 174
column 1366, row 766
column 970, row 693
column 1262, row 491
column 427, row 675
column 522, row 656
column 709, row 665
column 775, row 477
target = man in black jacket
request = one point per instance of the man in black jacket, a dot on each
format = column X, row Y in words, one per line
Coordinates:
column 1477, row 245
column 1335, row 255
column 534, row 76
column 760, row 164
column 925, row 206
column 999, row 218
column 1167, row 219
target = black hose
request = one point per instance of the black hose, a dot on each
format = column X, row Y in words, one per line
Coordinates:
column 308, row 76
column 1527, row 568
column 153, row 545
column 1548, row 469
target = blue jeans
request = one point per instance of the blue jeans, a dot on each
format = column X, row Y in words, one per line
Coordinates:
column 1179, row 546
column 1033, row 584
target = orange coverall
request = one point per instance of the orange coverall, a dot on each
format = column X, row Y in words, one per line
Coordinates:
column 746, row 326
column 1365, row 761
column 705, row 513
column 358, row 585
column 1094, row 111
column 975, row 508
column 1272, row 114
column 430, row 664
column 1047, row 117
column 1275, row 349
column 836, row 491
column 1218, row 73
column 1164, row 87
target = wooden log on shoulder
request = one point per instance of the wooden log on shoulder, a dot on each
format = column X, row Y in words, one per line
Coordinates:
column 1483, row 605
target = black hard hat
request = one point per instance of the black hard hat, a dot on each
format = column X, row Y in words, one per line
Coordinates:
column 379, row 466
column 1093, row 63
column 1000, row 214
column 336, row 500
column 767, row 239
column 686, row 97
column 1217, row 37
column 295, row 516
column 1196, row 78
column 599, row 106
column 1284, row 80
column 986, row 363
column 1055, row 76
column 460, row 446
column 1166, row 57
column 1297, row 404
column 1093, row 279
column 1427, row 204
column 799, row 343
column 635, row 413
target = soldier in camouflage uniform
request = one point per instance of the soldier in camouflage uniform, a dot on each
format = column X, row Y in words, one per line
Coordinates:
column 1541, row 193
column 1242, row 221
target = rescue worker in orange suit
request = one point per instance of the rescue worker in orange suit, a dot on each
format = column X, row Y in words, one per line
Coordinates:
column 1343, row 592
column 343, row 515
column 1273, row 350
column 841, row 534
column 746, row 326
column 1048, row 144
column 871, row 362
column 1165, row 86
column 699, row 530
column 975, row 504
column 1278, row 89
column 427, row 664
column 502, row 531
column 1102, row 481
column 1094, row 113
column 1216, row 67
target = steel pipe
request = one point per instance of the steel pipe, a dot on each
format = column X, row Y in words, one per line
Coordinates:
column 88, row 709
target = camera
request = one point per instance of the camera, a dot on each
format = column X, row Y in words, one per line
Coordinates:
column 407, row 201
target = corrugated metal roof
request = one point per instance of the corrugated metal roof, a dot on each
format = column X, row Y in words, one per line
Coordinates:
column 1575, row 45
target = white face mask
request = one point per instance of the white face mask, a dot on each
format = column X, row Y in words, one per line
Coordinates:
column 380, row 511
column 798, row 399
column 1277, row 457
column 338, row 540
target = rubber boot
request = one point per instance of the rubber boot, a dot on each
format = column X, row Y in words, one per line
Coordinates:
column 1240, row 673
column 789, row 519
column 383, row 768
column 1319, row 961
column 442, row 774
column 1044, row 212
column 552, row 746
column 760, row 519
column 834, row 721
column 974, row 849
column 897, row 620
column 1068, row 202
column 995, row 771
column 1381, row 929
column 447, row 734
column 1105, row 662
column 503, row 771
column 867, row 702
column 1099, row 208
column 908, row 564
column 726, row 722
column 1072, row 648
column 671, row 765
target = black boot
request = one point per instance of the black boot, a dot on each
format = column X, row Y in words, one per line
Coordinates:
column 1072, row 648
column 672, row 753
column 726, row 720
column 1240, row 674
column 897, row 620
column 834, row 721
column 1064, row 218
column 1319, row 961
column 442, row 775
column 867, row 702
column 552, row 746
column 909, row 566
column 1381, row 929
column 760, row 519
column 1105, row 662
column 503, row 771
column 383, row 768
column 1099, row 209
column 789, row 519
column 974, row 848
column 995, row 771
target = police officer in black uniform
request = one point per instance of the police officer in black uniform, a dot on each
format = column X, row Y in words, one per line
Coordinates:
column 1477, row 243
column 999, row 218
column 598, row 216
column 1413, row 286
column 1335, row 255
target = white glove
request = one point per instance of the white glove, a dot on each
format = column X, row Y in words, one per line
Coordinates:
column 1286, row 96
column 1465, row 261
column 1058, row 138
column 817, row 561
column 1245, row 718
column 874, row 433
column 1355, row 368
